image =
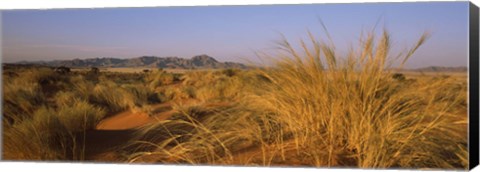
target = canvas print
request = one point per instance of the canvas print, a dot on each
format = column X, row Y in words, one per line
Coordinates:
column 359, row 85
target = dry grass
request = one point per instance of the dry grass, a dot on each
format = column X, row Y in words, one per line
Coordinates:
column 329, row 110
column 312, row 107
column 44, row 112
column 354, row 110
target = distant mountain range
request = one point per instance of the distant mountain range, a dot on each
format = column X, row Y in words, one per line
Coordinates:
column 196, row 62
column 441, row 69
column 436, row 69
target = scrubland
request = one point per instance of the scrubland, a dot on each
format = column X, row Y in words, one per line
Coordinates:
column 311, row 107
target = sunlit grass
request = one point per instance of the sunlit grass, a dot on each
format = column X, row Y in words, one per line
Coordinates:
column 310, row 107
column 335, row 111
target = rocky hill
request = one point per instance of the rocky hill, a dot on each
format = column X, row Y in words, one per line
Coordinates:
column 459, row 69
column 196, row 62
column 441, row 69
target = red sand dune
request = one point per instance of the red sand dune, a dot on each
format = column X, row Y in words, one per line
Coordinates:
column 124, row 120
column 130, row 119
column 117, row 130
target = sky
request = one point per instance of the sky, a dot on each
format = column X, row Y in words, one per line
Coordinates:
column 231, row 33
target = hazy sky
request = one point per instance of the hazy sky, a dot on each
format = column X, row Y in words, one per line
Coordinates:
column 229, row 33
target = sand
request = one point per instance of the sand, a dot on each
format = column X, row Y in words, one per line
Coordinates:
column 114, row 132
column 131, row 119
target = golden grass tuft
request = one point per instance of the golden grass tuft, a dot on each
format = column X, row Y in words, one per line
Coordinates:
column 354, row 110
column 328, row 110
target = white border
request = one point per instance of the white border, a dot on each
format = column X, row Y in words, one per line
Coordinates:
column 55, row 4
